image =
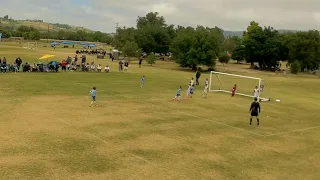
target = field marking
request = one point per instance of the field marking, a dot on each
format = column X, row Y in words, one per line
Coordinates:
column 288, row 132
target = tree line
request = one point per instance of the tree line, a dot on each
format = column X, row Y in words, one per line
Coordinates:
column 31, row 33
column 263, row 47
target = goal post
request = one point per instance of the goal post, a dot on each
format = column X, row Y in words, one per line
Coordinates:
column 223, row 82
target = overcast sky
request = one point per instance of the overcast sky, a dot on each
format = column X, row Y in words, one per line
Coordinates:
column 228, row 14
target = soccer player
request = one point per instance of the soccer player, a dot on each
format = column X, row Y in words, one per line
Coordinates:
column 192, row 82
column 93, row 94
column 205, row 91
column 178, row 96
column 206, row 82
column 255, row 110
column 188, row 91
column 143, row 79
column 233, row 92
column 256, row 92
column 191, row 90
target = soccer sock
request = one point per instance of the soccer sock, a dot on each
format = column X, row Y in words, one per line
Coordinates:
column 250, row 121
column 258, row 122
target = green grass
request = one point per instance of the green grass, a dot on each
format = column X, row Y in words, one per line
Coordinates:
column 48, row 130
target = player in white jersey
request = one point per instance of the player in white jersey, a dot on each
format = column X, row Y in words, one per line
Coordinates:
column 188, row 91
column 205, row 91
column 206, row 82
column 256, row 92
column 192, row 82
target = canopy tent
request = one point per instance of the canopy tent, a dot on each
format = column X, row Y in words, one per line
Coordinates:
column 47, row 56
column 55, row 43
column 92, row 45
column 68, row 42
column 84, row 43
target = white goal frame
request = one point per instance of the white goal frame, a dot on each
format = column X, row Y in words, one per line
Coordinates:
column 236, row 75
column 32, row 45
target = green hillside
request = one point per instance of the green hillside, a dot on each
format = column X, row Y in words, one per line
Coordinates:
column 39, row 25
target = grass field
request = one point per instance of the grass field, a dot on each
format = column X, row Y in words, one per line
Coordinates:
column 48, row 130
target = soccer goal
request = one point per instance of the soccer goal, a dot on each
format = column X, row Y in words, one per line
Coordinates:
column 224, row 82
column 32, row 45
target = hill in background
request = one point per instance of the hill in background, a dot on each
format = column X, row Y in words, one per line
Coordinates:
column 40, row 25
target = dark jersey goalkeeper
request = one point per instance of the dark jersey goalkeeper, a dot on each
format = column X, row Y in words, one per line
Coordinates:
column 255, row 109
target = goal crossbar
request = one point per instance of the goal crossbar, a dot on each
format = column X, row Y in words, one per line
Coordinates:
column 236, row 93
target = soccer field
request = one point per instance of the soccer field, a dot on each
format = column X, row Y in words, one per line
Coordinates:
column 48, row 130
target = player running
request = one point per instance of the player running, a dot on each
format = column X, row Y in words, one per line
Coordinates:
column 192, row 82
column 143, row 79
column 255, row 110
column 191, row 90
column 93, row 94
column 233, row 91
column 188, row 91
column 178, row 96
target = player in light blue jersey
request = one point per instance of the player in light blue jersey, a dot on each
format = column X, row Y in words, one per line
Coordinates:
column 94, row 95
column 178, row 96
column 143, row 79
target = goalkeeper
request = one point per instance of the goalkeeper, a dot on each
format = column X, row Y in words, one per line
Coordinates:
column 255, row 110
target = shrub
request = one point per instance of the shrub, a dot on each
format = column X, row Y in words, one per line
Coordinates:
column 295, row 67
column 224, row 58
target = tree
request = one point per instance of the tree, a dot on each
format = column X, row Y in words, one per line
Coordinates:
column 130, row 49
column 153, row 19
column 6, row 17
column 151, row 59
column 305, row 47
column 153, row 39
column 123, row 35
column 224, row 58
column 262, row 45
column 239, row 53
column 295, row 67
column 153, row 34
column 193, row 47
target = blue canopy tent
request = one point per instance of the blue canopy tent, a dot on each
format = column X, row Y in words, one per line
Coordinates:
column 68, row 42
column 92, row 45
column 84, row 44
column 55, row 43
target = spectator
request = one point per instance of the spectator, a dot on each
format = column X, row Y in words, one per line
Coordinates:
column 120, row 66
column 76, row 59
column 93, row 67
column 126, row 66
column 18, row 62
column 140, row 61
column 99, row 68
column 198, row 74
column 4, row 61
column 64, row 65
column 107, row 69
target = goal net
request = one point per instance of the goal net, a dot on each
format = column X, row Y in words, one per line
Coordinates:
column 245, row 85
column 32, row 45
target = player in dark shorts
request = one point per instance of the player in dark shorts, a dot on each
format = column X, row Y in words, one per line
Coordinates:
column 255, row 110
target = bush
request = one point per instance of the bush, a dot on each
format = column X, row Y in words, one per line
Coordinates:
column 295, row 67
column 151, row 59
column 224, row 58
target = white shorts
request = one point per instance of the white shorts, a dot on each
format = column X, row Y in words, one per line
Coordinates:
column 126, row 68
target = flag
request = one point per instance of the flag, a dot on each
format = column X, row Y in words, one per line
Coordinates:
column 0, row 36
